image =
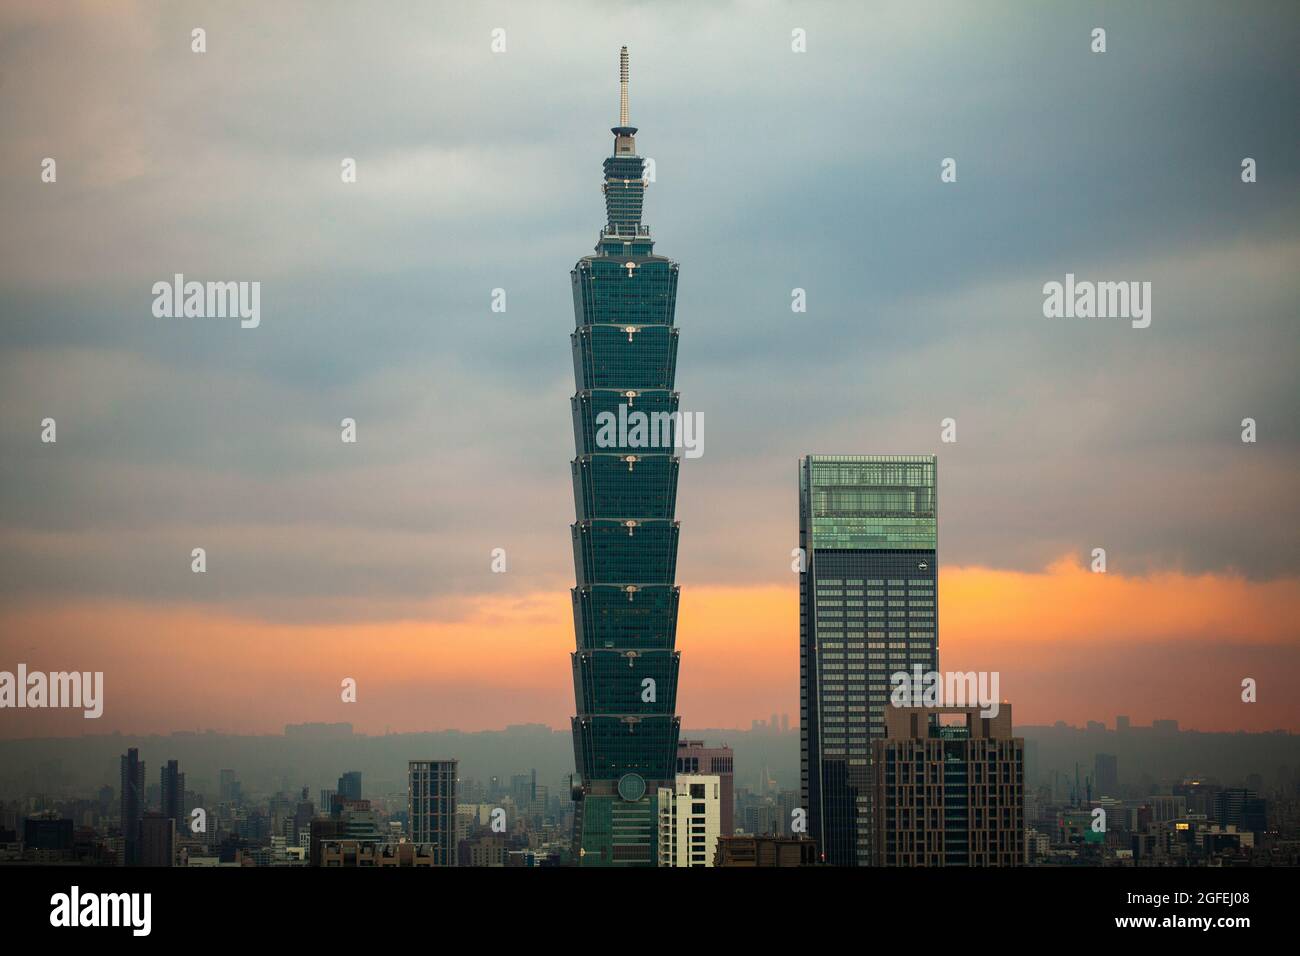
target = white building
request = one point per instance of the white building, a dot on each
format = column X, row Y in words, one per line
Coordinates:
column 690, row 820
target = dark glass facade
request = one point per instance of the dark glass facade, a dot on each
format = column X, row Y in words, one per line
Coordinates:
column 868, row 528
column 431, row 807
column 133, row 799
column 625, row 536
column 173, row 792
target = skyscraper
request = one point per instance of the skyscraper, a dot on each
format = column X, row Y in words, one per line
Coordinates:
column 523, row 788
column 867, row 608
column 1241, row 808
column 173, row 792
column 625, row 536
column 431, row 807
column 132, row 804
column 349, row 787
column 1106, row 775
column 229, row 789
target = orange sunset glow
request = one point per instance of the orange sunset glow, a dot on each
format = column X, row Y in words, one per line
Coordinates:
column 1069, row 645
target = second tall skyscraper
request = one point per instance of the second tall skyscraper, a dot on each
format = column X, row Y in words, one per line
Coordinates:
column 868, row 527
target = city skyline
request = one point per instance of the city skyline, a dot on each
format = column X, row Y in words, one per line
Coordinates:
column 990, row 311
column 373, row 561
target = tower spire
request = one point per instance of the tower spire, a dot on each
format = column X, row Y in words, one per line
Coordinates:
column 622, row 87
column 624, row 135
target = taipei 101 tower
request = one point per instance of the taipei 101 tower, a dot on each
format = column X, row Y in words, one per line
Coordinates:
column 625, row 535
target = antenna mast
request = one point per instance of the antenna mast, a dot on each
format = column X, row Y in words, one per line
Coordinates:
column 622, row 87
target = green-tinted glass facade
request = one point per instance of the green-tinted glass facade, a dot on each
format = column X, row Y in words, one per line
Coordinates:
column 887, row 501
column 868, row 525
column 625, row 536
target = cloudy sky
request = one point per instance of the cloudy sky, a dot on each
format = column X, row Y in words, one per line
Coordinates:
column 775, row 170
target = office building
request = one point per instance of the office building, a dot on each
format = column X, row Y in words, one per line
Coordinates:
column 323, row 831
column 1106, row 776
column 484, row 850
column 690, row 820
column 625, row 533
column 132, row 805
column 694, row 757
column 1241, row 808
column 358, row 820
column 1167, row 807
column 157, row 840
column 172, row 792
column 349, row 787
column 48, row 831
column 950, row 788
column 431, row 807
column 868, row 533
column 228, row 789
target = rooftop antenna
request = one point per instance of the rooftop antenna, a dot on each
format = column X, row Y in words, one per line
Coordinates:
column 622, row 87
column 624, row 135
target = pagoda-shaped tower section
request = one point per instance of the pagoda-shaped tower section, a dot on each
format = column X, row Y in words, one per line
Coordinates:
column 625, row 533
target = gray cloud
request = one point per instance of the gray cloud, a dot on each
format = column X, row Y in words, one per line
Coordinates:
column 775, row 170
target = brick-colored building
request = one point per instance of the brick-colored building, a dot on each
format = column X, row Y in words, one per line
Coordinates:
column 765, row 851
column 950, row 788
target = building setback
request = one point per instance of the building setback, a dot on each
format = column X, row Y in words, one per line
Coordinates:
column 868, row 530
column 625, row 536
column 950, row 789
